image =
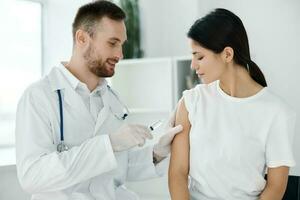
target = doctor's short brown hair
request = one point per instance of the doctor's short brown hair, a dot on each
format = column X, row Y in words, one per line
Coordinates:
column 90, row 14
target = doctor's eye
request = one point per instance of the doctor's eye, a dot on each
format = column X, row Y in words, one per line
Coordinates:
column 112, row 44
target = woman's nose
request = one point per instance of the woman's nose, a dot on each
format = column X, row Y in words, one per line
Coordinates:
column 194, row 65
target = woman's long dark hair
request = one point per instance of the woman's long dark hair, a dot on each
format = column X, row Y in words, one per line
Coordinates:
column 222, row 28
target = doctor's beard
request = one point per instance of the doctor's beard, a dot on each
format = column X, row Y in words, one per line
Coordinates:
column 96, row 65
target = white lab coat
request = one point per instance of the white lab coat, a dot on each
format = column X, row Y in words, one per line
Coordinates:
column 89, row 169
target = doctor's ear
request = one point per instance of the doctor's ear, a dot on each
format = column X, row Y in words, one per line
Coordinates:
column 81, row 37
column 227, row 54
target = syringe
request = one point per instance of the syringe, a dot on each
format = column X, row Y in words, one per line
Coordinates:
column 155, row 125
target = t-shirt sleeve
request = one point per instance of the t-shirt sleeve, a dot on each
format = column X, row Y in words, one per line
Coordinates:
column 190, row 98
column 279, row 146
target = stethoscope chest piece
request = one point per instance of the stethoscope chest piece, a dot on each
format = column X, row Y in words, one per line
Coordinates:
column 62, row 147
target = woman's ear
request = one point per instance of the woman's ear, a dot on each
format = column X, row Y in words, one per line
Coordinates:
column 227, row 54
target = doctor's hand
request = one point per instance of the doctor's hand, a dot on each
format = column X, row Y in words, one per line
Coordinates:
column 128, row 136
column 163, row 147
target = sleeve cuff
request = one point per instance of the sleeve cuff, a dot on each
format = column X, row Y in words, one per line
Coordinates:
column 162, row 167
column 141, row 165
column 109, row 151
column 288, row 163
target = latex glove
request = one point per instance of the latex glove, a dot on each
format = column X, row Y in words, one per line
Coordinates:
column 128, row 136
column 163, row 147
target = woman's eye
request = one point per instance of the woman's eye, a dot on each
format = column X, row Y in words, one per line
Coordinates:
column 200, row 58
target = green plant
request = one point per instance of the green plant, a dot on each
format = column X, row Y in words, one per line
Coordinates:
column 131, row 48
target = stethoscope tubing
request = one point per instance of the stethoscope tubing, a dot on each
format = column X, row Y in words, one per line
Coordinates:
column 61, row 116
column 61, row 146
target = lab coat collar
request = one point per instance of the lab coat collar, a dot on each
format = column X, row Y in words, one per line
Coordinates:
column 57, row 80
column 58, row 76
column 101, row 87
column 68, row 75
column 72, row 98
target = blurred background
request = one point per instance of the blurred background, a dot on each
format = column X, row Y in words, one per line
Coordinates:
column 35, row 35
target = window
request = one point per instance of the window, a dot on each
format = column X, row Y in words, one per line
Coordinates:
column 20, row 58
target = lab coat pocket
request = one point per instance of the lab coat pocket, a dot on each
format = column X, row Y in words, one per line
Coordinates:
column 102, row 187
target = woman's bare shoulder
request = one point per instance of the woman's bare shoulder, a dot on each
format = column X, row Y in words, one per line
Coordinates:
column 182, row 115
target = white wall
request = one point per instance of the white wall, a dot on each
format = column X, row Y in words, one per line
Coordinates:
column 164, row 24
column 57, row 33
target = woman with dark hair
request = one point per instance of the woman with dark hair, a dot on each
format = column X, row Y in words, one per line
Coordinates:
column 235, row 128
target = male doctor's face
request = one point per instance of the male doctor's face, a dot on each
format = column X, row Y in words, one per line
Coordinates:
column 104, row 48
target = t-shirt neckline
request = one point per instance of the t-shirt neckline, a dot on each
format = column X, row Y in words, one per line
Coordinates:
column 238, row 99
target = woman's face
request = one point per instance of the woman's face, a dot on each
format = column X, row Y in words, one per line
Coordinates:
column 208, row 65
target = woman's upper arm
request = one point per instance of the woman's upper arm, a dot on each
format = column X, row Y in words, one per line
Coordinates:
column 179, row 162
column 276, row 183
column 278, row 176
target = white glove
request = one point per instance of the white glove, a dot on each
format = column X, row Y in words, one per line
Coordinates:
column 163, row 147
column 128, row 136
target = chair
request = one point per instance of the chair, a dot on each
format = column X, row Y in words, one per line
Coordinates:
column 293, row 189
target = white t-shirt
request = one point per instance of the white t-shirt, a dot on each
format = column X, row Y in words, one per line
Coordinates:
column 233, row 140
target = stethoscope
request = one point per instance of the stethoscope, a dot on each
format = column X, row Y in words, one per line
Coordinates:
column 61, row 145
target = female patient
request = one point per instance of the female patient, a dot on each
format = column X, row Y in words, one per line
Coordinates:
column 235, row 128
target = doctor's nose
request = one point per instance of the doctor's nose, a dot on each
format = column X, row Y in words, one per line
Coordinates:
column 119, row 54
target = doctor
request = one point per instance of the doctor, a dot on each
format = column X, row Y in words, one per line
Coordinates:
column 72, row 140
